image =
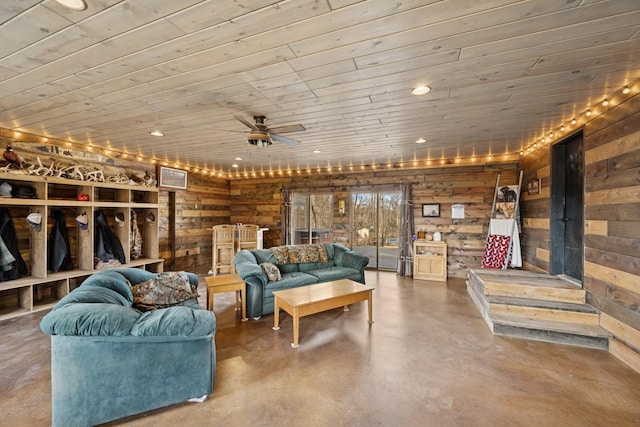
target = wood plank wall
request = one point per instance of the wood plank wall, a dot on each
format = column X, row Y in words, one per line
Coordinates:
column 612, row 221
column 202, row 205
column 259, row 201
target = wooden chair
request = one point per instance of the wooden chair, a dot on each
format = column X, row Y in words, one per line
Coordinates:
column 223, row 248
column 247, row 237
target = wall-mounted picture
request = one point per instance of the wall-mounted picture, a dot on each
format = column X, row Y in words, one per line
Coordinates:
column 173, row 178
column 431, row 209
column 533, row 187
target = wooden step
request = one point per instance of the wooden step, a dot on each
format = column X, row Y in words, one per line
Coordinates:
column 532, row 286
column 541, row 307
column 590, row 336
column 582, row 314
column 480, row 300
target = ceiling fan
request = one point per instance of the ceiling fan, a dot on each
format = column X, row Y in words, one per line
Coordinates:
column 261, row 135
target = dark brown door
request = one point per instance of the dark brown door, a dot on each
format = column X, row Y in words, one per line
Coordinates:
column 567, row 208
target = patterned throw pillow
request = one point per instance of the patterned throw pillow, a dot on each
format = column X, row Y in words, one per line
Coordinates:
column 272, row 271
column 307, row 253
column 281, row 253
column 167, row 289
column 495, row 253
column 324, row 257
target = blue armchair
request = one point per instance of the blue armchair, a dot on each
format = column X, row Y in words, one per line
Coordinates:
column 109, row 360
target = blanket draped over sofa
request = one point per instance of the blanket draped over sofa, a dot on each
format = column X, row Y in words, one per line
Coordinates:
column 110, row 360
column 283, row 267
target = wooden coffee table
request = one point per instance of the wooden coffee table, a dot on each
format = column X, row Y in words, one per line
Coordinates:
column 227, row 283
column 311, row 299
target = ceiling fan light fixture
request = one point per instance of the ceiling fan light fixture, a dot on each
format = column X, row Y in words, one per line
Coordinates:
column 73, row 4
column 259, row 139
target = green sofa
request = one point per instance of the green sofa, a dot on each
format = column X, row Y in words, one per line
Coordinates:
column 298, row 265
column 110, row 360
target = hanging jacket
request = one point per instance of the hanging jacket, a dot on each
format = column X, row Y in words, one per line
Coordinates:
column 106, row 244
column 59, row 249
column 8, row 235
column 136, row 237
column 6, row 258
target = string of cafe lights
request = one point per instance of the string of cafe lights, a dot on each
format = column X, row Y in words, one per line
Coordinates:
column 373, row 166
column 547, row 137
column 236, row 173
column 577, row 122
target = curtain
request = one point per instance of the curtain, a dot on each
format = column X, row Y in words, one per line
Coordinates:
column 405, row 244
column 286, row 216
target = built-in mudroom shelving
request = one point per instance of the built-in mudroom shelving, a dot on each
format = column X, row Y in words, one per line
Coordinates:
column 41, row 289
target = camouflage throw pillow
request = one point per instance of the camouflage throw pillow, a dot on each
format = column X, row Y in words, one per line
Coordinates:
column 324, row 256
column 281, row 253
column 272, row 271
column 307, row 253
column 167, row 289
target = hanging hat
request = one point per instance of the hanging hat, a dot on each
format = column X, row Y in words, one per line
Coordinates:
column 151, row 217
column 34, row 219
column 83, row 221
column 5, row 190
column 120, row 217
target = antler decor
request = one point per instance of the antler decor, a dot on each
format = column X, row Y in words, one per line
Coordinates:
column 77, row 172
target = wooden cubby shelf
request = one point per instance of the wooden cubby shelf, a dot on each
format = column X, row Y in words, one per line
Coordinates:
column 41, row 289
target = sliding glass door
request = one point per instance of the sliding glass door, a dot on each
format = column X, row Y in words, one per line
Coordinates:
column 312, row 218
column 375, row 227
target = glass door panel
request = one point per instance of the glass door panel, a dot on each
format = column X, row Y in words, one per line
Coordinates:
column 388, row 224
column 364, row 226
column 312, row 218
column 300, row 218
column 376, row 228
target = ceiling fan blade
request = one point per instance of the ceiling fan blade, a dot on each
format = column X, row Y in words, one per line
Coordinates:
column 290, row 142
column 225, row 131
column 288, row 128
column 245, row 122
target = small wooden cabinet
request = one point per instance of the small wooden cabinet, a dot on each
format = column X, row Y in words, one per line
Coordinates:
column 429, row 260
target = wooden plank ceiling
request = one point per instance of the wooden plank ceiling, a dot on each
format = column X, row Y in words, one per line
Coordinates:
column 502, row 74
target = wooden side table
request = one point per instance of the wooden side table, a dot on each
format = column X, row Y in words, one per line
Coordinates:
column 227, row 283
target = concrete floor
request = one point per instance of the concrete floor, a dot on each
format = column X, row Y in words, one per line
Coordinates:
column 429, row 360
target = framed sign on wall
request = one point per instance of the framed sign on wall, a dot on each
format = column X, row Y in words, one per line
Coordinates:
column 533, row 187
column 431, row 209
column 173, row 178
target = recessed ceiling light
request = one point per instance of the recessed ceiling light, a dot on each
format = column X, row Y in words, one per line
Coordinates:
column 421, row 141
column 238, row 158
column 421, row 90
column 235, row 165
column 317, row 151
column 156, row 133
column 73, row 4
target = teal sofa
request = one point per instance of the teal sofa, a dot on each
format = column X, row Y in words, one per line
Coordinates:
column 298, row 265
column 110, row 360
